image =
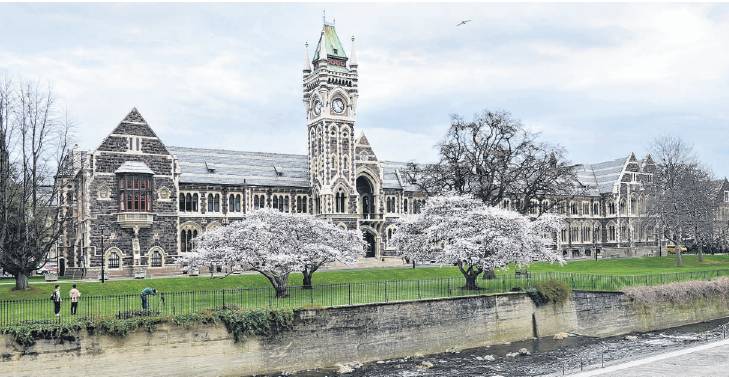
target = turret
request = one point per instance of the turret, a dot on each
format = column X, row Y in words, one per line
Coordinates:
column 307, row 62
column 353, row 56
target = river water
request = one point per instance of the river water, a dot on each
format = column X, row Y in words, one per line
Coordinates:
column 547, row 355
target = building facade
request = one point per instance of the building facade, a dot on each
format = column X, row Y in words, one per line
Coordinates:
column 137, row 204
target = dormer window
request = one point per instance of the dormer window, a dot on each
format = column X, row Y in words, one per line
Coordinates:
column 210, row 167
column 278, row 170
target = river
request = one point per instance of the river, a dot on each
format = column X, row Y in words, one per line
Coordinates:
column 547, row 356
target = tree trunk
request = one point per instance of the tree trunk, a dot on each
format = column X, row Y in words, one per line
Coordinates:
column 489, row 274
column 282, row 290
column 307, row 279
column 280, row 283
column 700, row 255
column 471, row 282
column 679, row 258
column 21, row 281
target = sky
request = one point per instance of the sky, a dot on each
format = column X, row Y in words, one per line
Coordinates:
column 601, row 80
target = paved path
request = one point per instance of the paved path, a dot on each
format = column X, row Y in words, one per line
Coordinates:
column 706, row 360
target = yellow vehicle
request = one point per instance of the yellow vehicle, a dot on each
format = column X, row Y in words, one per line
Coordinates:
column 672, row 249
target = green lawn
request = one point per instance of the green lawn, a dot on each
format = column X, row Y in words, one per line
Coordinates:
column 637, row 266
column 624, row 266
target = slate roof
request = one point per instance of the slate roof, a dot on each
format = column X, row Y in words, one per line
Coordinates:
column 329, row 42
column 600, row 178
column 135, row 167
column 238, row 168
column 393, row 174
column 259, row 168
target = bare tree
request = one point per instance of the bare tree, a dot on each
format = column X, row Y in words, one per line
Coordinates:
column 33, row 145
column 681, row 197
column 494, row 157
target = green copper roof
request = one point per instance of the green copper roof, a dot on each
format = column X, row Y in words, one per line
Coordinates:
column 331, row 43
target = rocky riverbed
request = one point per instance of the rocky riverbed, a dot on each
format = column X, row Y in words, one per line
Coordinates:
column 537, row 357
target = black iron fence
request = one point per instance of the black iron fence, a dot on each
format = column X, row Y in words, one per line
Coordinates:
column 328, row 295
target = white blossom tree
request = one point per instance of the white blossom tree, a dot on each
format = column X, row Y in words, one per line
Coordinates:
column 460, row 230
column 327, row 243
column 275, row 244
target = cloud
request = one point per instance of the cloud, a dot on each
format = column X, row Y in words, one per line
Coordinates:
column 600, row 79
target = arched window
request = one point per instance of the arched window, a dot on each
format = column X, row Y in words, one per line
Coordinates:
column 573, row 208
column 405, row 205
column 186, row 239
column 156, row 259
column 286, row 204
column 256, row 203
column 182, row 202
column 611, row 232
column 344, row 163
column 213, row 202
column 301, row 204
column 234, row 202
column 275, row 201
column 114, row 261
column 194, row 202
column 390, row 233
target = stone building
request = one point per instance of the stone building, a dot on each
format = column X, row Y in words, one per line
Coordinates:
column 137, row 204
column 609, row 218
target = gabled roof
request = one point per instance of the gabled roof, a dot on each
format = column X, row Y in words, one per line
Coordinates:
column 238, row 168
column 600, row 178
column 330, row 44
column 394, row 176
column 134, row 117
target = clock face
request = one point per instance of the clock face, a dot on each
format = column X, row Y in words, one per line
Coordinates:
column 338, row 105
column 317, row 107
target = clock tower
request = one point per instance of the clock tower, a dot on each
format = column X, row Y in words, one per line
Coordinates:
column 330, row 101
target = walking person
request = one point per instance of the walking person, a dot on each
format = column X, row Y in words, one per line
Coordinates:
column 145, row 293
column 56, row 298
column 75, row 295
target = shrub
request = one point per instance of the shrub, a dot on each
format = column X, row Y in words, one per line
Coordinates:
column 256, row 322
column 554, row 291
column 682, row 293
column 239, row 323
column 27, row 333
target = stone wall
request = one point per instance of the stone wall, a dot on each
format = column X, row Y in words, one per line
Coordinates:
column 324, row 337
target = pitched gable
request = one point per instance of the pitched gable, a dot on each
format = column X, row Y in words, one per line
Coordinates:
column 362, row 149
column 131, row 128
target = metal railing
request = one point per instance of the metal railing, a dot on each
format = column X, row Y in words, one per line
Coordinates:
column 328, row 295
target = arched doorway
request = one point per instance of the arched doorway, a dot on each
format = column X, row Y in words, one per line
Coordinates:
column 366, row 198
column 370, row 248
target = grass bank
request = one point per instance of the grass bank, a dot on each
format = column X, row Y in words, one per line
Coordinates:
column 618, row 267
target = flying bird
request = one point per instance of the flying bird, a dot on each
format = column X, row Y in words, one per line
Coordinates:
column 463, row 22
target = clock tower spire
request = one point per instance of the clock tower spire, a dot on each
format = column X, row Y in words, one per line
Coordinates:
column 330, row 100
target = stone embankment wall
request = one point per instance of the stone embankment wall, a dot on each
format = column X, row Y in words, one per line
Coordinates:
column 325, row 337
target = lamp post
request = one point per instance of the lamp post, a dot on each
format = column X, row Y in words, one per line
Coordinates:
column 103, row 261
